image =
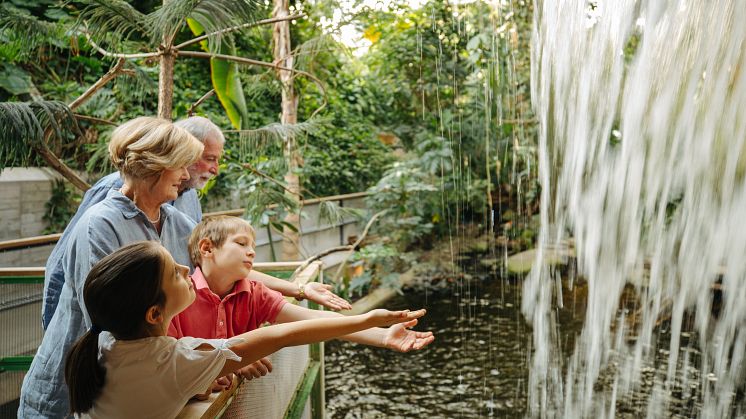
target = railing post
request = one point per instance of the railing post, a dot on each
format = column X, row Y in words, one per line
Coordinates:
column 318, row 399
column 341, row 227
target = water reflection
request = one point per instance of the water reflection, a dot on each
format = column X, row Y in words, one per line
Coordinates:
column 477, row 366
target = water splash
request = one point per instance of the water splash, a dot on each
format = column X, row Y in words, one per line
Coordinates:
column 641, row 105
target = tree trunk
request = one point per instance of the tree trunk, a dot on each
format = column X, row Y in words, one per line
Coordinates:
column 283, row 57
column 166, row 85
column 166, row 78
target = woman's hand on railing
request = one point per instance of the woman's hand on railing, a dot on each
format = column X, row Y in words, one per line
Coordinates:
column 258, row 369
column 322, row 294
column 399, row 338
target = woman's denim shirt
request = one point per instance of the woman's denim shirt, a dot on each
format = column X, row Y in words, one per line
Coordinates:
column 54, row 275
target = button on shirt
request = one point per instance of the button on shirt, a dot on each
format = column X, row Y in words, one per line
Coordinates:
column 104, row 228
column 245, row 308
column 54, row 276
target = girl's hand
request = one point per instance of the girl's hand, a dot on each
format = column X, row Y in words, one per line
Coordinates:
column 381, row 317
column 221, row 384
column 321, row 294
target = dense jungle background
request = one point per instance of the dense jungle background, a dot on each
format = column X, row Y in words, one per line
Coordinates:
column 432, row 117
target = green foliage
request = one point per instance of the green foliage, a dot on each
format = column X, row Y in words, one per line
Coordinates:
column 212, row 15
column 422, row 195
column 334, row 214
column 22, row 33
column 444, row 85
column 379, row 264
column 343, row 158
column 61, row 207
column 15, row 80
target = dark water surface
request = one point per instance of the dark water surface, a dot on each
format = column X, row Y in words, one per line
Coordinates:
column 477, row 366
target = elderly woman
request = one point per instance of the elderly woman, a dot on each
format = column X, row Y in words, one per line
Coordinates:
column 187, row 202
column 152, row 155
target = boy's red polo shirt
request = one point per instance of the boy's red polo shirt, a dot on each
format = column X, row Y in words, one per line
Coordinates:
column 247, row 307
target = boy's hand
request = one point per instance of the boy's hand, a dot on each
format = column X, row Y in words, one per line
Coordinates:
column 258, row 369
column 399, row 338
column 322, row 294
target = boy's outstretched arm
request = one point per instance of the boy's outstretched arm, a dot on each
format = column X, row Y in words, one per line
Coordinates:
column 314, row 291
column 261, row 342
column 397, row 337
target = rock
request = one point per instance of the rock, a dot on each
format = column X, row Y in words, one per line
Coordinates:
column 489, row 262
column 480, row 246
column 521, row 263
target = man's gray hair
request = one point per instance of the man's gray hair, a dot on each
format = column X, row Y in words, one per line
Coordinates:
column 201, row 128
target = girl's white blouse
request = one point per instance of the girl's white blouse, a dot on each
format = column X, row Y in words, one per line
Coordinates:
column 156, row 376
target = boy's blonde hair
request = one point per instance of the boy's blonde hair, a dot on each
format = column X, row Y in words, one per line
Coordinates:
column 216, row 228
column 145, row 146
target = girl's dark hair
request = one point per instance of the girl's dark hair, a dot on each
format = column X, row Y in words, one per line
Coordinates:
column 118, row 292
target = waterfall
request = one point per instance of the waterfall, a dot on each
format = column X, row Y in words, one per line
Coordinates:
column 642, row 113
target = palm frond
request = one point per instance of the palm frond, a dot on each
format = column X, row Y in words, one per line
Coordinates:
column 258, row 204
column 252, row 140
column 334, row 214
column 257, row 85
column 213, row 15
column 23, row 126
column 138, row 85
column 99, row 160
column 278, row 131
column 103, row 104
column 112, row 21
column 306, row 53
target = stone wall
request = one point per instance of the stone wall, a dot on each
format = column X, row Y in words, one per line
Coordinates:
column 24, row 193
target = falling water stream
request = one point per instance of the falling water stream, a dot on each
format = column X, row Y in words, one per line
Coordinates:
column 642, row 112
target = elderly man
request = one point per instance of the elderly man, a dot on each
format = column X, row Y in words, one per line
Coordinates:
column 188, row 203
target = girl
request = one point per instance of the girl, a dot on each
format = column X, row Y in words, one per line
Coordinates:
column 126, row 366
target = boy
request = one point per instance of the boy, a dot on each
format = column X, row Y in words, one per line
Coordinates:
column 227, row 303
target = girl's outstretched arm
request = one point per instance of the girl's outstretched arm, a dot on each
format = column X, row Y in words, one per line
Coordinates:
column 267, row 340
column 397, row 337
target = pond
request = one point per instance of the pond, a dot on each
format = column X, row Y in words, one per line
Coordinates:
column 477, row 366
column 479, row 363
